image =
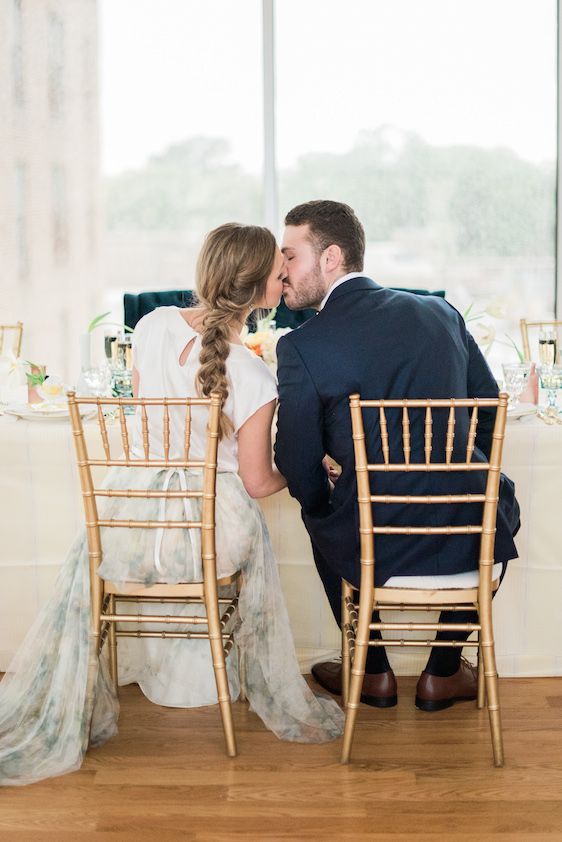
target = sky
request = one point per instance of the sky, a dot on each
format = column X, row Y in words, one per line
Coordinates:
column 455, row 71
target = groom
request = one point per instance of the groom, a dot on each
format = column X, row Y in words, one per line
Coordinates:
column 382, row 344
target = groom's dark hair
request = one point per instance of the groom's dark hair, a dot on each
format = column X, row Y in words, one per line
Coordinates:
column 332, row 223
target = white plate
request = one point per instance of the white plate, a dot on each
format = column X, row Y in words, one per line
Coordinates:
column 521, row 409
column 59, row 413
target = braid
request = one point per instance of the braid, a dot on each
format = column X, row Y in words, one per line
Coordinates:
column 232, row 272
column 215, row 349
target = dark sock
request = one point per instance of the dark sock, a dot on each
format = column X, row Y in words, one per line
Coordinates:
column 376, row 655
column 445, row 661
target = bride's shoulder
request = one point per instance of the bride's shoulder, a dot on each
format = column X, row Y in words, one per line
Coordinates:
column 160, row 318
column 156, row 316
column 248, row 366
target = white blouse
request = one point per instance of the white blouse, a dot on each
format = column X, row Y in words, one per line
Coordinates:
column 158, row 341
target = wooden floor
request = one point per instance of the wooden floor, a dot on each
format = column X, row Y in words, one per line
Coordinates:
column 415, row 776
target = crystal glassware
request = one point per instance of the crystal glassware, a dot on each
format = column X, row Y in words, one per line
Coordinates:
column 109, row 340
column 53, row 391
column 551, row 380
column 548, row 352
column 97, row 381
column 515, row 379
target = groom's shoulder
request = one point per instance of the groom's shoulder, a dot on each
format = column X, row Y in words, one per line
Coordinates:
column 300, row 337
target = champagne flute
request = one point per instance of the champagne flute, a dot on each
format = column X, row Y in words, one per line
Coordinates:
column 547, row 347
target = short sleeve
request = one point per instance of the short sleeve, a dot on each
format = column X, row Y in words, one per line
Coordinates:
column 141, row 334
column 253, row 386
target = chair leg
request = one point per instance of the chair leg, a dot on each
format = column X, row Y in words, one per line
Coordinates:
column 219, row 667
column 357, row 675
column 242, row 675
column 346, row 592
column 491, row 681
column 113, row 647
column 481, row 699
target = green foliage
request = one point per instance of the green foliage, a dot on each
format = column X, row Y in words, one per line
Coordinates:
column 37, row 374
column 459, row 200
column 192, row 187
column 98, row 321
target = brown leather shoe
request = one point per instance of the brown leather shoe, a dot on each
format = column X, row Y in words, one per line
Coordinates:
column 435, row 692
column 379, row 689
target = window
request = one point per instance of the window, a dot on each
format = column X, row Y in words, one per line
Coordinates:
column 185, row 154
column 435, row 120
column 426, row 120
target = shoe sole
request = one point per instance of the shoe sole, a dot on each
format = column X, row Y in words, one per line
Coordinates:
column 373, row 701
column 379, row 701
column 431, row 705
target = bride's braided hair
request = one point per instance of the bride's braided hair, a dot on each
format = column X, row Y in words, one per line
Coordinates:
column 232, row 271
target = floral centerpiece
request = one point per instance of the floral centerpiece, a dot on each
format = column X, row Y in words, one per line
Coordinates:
column 519, row 378
column 23, row 381
column 484, row 331
column 264, row 341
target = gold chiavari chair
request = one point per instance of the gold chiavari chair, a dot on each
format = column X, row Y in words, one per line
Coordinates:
column 525, row 324
column 356, row 618
column 221, row 612
column 16, row 332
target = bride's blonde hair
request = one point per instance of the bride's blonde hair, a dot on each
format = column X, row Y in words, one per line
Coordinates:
column 232, row 271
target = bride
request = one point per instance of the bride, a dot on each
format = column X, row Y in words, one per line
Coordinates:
column 48, row 716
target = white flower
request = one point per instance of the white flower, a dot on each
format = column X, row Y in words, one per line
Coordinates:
column 483, row 334
column 13, row 369
column 496, row 308
column 13, row 382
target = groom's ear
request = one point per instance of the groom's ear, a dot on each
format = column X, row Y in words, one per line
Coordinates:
column 333, row 258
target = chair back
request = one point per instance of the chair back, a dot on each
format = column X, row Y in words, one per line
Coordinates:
column 11, row 335
column 397, row 457
column 207, row 465
column 137, row 305
column 554, row 325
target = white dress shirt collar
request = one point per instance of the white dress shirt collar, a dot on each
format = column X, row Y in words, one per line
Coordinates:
column 337, row 284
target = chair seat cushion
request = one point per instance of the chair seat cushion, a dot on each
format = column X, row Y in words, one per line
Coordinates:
column 469, row 579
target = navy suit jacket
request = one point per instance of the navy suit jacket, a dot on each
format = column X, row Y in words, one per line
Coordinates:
column 384, row 344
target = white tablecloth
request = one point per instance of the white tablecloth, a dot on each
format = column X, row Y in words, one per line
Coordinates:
column 41, row 510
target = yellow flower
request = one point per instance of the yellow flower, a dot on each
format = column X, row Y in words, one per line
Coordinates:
column 264, row 342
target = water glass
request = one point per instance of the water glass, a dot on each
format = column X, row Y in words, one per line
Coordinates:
column 551, row 380
column 515, row 378
column 97, row 381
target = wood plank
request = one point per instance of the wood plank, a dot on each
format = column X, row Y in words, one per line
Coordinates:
column 414, row 776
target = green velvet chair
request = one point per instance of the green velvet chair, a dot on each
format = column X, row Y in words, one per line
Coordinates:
column 137, row 306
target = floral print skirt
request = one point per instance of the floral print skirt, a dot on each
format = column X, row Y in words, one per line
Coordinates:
column 56, row 697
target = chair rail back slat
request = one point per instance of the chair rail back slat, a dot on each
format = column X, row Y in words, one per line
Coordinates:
column 491, row 468
column 525, row 324
column 17, row 331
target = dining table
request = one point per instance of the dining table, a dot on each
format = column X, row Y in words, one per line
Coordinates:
column 41, row 512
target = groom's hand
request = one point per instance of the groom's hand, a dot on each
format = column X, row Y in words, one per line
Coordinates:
column 332, row 469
